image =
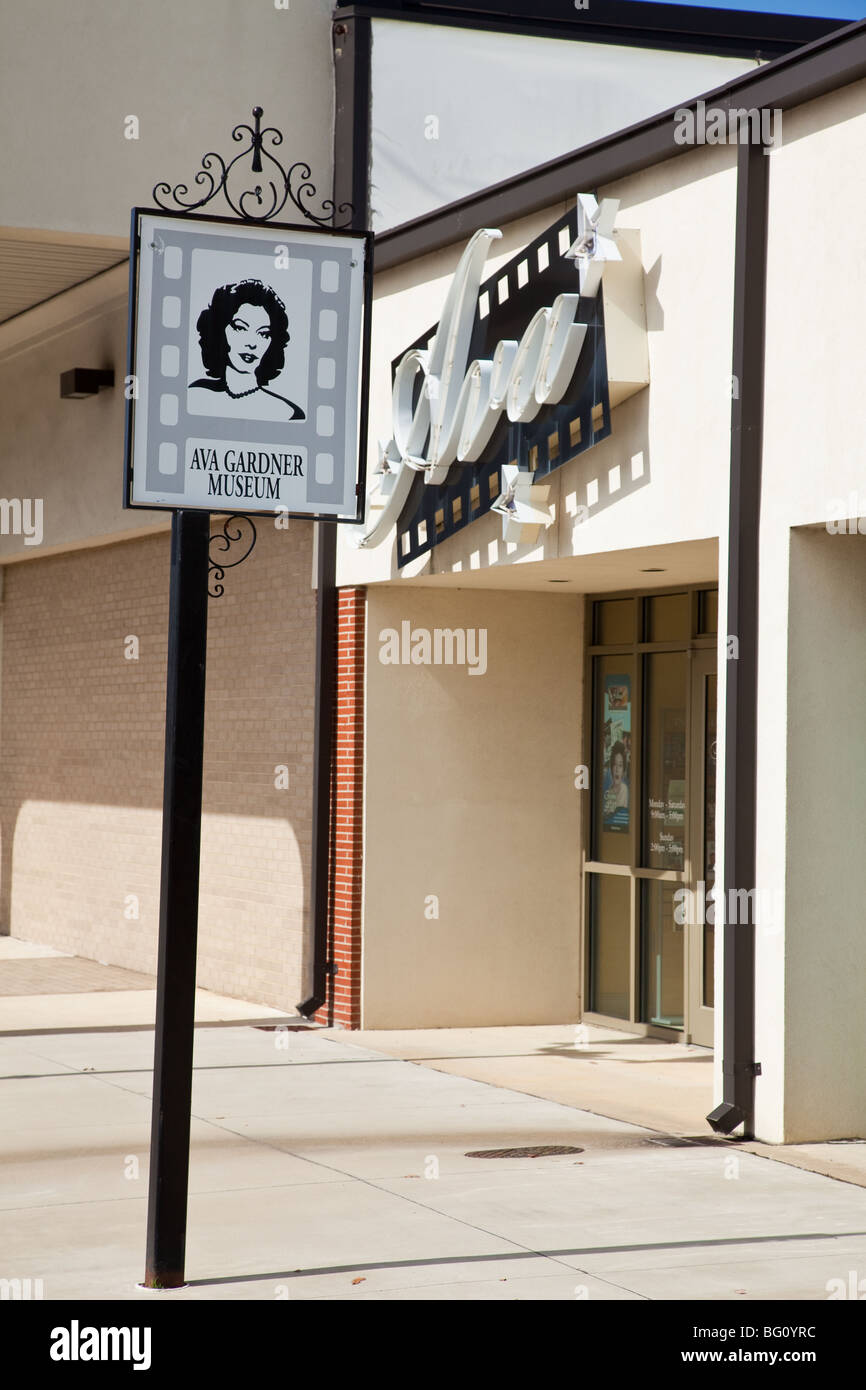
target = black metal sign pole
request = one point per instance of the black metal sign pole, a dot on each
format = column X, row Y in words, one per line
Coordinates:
column 178, row 911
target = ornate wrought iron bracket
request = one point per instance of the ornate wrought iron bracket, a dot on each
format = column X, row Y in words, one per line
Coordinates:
column 254, row 199
column 244, row 536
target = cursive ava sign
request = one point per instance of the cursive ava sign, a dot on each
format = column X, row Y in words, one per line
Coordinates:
column 445, row 409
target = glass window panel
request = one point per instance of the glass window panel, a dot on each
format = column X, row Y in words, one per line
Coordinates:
column 609, row 953
column 668, row 617
column 614, row 622
column 613, row 760
column 664, row 785
column 662, row 954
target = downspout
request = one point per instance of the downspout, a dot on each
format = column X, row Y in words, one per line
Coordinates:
column 739, row 1067
column 352, row 46
column 323, row 742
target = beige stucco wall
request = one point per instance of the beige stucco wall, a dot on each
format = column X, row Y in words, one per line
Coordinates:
column 73, row 73
column 470, row 797
column 824, row 1034
column 68, row 454
column 808, row 964
column 81, row 760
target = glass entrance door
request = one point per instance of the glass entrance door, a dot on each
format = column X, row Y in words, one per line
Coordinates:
column 651, row 849
column 665, row 799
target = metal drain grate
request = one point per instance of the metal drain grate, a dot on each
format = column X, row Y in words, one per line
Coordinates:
column 285, row 1027
column 531, row 1151
column 698, row 1141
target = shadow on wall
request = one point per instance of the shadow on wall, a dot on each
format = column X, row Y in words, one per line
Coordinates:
column 604, row 476
column 82, row 748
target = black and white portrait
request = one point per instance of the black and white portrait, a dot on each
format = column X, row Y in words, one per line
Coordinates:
column 243, row 334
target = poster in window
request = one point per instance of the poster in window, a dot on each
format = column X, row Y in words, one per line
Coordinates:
column 616, row 753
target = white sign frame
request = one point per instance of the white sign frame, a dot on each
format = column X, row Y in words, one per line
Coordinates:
column 205, row 317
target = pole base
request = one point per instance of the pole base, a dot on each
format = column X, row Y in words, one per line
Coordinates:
column 164, row 1281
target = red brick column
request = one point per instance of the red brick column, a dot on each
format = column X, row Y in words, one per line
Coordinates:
column 343, row 1004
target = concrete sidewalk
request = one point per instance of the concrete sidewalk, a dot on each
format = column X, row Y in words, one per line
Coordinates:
column 663, row 1086
column 335, row 1171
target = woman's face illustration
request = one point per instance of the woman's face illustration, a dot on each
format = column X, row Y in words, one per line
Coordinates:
column 616, row 769
column 248, row 336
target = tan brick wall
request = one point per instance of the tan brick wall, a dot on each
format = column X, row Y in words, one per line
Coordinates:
column 81, row 760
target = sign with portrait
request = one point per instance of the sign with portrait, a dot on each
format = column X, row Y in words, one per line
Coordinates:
column 248, row 358
column 616, row 734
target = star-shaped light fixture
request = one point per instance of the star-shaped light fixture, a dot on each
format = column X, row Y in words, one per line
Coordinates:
column 595, row 244
column 523, row 505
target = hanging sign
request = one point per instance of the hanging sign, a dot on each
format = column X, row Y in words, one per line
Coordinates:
column 248, row 358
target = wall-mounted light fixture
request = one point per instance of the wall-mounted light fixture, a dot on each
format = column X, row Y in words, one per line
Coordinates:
column 83, row 381
column 523, row 505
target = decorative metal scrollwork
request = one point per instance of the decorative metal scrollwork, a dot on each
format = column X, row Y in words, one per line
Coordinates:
column 254, row 200
column 243, row 535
